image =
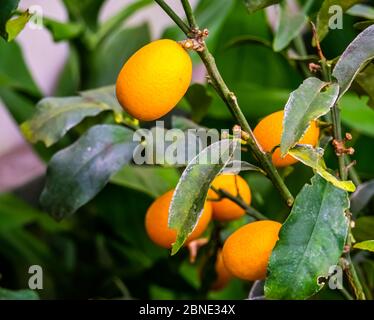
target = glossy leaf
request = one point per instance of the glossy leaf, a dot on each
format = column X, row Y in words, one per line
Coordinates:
column 250, row 97
column 109, row 57
column 84, row 10
column 151, row 180
column 14, row 26
column 362, row 11
column 20, row 107
column 14, row 73
column 69, row 78
column 313, row 157
column 365, row 79
column 364, row 228
column 361, row 197
column 56, row 116
column 7, row 7
column 6, row 294
column 117, row 20
column 76, row 174
column 63, row 31
column 199, row 99
column 357, row 54
column 235, row 69
column 365, row 245
column 362, row 25
column 254, row 5
column 356, row 114
column 191, row 191
column 290, row 26
column 183, row 123
column 15, row 213
column 310, row 242
column 324, row 15
column 305, row 104
column 237, row 166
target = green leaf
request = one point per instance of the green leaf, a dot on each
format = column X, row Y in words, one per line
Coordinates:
column 361, row 197
column 364, row 228
column 183, row 123
column 250, row 97
column 76, row 174
column 113, row 52
column 365, row 79
column 84, row 10
column 236, row 166
column 314, row 159
column 365, row 245
column 6, row 294
column 14, row 73
column 118, row 19
column 254, row 5
column 15, row 213
column 290, row 26
column 7, row 7
column 191, row 191
column 307, row 103
column 358, row 53
column 151, row 180
column 362, row 25
column 235, row 69
column 14, row 26
column 63, row 30
column 69, row 79
column 56, row 116
column 20, row 106
column 199, row 99
column 310, row 242
column 356, row 114
column 324, row 16
column 362, row 11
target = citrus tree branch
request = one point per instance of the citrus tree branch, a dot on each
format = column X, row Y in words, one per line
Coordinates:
column 350, row 269
column 170, row 12
column 230, row 100
column 241, row 203
column 189, row 14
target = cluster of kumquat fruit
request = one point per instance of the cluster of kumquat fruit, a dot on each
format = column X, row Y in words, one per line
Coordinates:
column 245, row 253
column 150, row 84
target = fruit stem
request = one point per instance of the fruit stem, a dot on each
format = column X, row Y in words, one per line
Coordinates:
column 230, row 99
column 241, row 203
column 170, row 12
column 189, row 14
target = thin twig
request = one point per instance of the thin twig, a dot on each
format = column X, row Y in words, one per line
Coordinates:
column 180, row 23
column 350, row 270
column 189, row 14
column 241, row 203
column 230, row 99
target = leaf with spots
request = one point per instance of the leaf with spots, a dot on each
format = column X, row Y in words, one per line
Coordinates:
column 191, row 191
column 311, row 241
column 78, row 173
